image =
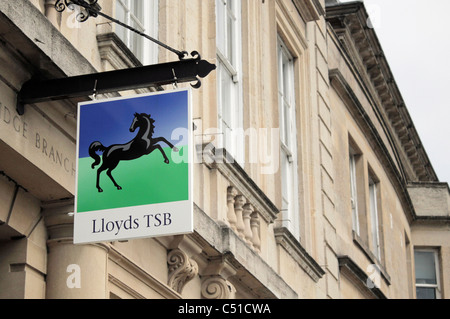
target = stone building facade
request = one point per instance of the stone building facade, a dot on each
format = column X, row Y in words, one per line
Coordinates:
column 310, row 178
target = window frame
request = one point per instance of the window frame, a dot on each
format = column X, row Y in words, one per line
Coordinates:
column 229, row 78
column 148, row 52
column 354, row 191
column 374, row 211
column 366, row 204
column 288, row 137
column 437, row 286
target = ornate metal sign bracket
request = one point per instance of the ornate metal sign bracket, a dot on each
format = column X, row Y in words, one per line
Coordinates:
column 185, row 70
column 91, row 8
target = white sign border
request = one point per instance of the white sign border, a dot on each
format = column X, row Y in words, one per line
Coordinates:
column 137, row 222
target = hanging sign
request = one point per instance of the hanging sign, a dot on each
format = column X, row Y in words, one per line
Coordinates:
column 134, row 168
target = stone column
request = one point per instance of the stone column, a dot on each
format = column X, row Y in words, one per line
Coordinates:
column 231, row 215
column 256, row 225
column 247, row 211
column 239, row 202
column 73, row 271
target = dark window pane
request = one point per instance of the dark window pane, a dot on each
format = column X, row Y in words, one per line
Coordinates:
column 425, row 267
column 426, row 293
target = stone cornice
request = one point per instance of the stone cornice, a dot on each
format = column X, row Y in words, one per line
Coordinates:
column 360, row 43
column 371, row 257
column 310, row 10
column 344, row 90
column 285, row 239
column 348, row 266
column 113, row 50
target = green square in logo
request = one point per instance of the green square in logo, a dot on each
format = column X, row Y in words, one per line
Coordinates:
column 144, row 181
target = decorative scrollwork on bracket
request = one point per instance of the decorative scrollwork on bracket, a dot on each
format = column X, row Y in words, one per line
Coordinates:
column 182, row 269
column 87, row 8
column 90, row 8
column 197, row 57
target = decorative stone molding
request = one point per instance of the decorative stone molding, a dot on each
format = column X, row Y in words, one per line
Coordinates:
column 310, row 10
column 251, row 270
column 215, row 284
column 363, row 246
column 339, row 82
column 248, row 208
column 355, row 36
column 147, row 279
column 182, row 269
column 285, row 239
column 123, row 286
column 243, row 218
column 216, row 287
column 351, row 270
column 222, row 161
column 58, row 218
column 113, row 51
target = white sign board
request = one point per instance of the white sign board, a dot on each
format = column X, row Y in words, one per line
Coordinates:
column 134, row 168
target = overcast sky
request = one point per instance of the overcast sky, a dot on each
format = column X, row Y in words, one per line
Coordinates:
column 415, row 37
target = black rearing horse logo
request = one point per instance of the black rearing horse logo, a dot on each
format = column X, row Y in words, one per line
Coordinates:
column 142, row 144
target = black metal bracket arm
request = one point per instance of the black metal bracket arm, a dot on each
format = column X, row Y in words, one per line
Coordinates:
column 186, row 70
column 91, row 8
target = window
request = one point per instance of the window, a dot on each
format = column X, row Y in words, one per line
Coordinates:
column 427, row 274
column 143, row 16
column 354, row 192
column 288, row 140
column 229, row 80
column 375, row 221
column 365, row 203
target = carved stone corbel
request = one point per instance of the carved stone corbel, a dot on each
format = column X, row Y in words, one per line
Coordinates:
column 182, row 269
column 216, row 287
column 215, row 284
